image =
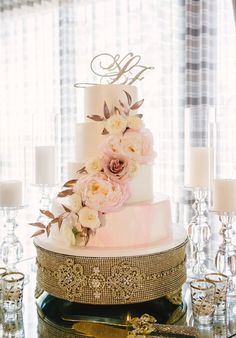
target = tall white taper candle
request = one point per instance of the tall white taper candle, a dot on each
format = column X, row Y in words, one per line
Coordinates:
column 224, row 195
column 45, row 170
column 10, row 193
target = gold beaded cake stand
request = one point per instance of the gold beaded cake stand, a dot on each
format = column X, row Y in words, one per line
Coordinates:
column 100, row 276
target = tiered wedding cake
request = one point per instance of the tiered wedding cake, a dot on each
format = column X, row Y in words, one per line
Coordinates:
column 111, row 240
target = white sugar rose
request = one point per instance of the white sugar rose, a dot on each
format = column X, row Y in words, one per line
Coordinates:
column 134, row 122
column 69, row 225
column 69, row 235
column 116, row 124
column 89, row 218
column 93, row 166
column 74, row 203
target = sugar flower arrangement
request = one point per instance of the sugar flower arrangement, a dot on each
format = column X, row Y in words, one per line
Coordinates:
column 103, row 183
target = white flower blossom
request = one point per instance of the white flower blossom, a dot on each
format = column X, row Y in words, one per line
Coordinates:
column 89, row 218
column 116, row 124
column 134, row 122
column 75, row 202
column 93, row 166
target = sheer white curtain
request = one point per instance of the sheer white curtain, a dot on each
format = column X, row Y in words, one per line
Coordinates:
column 29, row 85
column 46, row 46
column 225, row 89
column 226, row 61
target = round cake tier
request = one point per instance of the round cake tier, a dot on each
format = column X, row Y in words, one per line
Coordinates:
column 112, row 94
column 105, row 276
column 132, row 226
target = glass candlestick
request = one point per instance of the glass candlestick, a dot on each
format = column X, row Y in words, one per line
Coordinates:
column 225, row 259
column 11, row 249
column 199, row 233
column 45, row 198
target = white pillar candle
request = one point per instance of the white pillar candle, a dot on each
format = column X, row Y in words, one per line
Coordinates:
column 45, row 165
column 10, row 193
column 72, row 170
column 224, row 195
column 199, row 167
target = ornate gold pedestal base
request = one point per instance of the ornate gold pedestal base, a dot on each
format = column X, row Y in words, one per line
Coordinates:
column 111, row 280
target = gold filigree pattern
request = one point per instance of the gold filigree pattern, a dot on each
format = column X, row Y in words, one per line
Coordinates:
column 111, row 280
column 125, row 280
column 71, row 278
column 96, row 282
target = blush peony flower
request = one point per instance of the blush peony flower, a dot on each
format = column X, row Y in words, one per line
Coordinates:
column 93, row 166
column 134, row 122
column 116, row 167
column 116, row 124
column 89, row 218
column 112, row 144
column 100, row 193
column 138, row 145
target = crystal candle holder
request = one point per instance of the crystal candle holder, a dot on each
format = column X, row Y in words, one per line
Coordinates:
column 199, row 232
column 13, row 324
column 221, row 285
column 11, row 249
column 225, row 259
column 12, row 291
column 3, row 271
column 45, row 198
column 203, row 298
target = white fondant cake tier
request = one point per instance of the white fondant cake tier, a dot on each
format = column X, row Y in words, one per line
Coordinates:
column 141, row 186
column 88, row 135
column 88, row 139
column 134, row 225
column 95, row 96
column 177, row 237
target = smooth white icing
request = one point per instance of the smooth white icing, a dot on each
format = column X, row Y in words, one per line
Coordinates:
column 88, row 138
column 141, row 185
column 95, row 96
column 88, row 135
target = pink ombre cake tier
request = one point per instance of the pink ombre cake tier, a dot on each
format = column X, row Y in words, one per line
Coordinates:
column 134, row 225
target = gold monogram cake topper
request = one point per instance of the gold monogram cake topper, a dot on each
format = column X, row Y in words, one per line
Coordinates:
column 116, row 69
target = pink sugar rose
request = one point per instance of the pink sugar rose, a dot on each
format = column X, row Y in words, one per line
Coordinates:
column 116, row 167
column 100, row 193
column 138, row 145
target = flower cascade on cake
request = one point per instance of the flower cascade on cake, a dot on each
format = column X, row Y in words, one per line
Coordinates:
column 103, row 183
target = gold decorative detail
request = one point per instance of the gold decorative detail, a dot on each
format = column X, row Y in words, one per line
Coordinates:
column 125, row 280
column 142, row 326
column 96, row 282
column 111, row 280
column 175, row 297
column 116, row 69
column 71, row 278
